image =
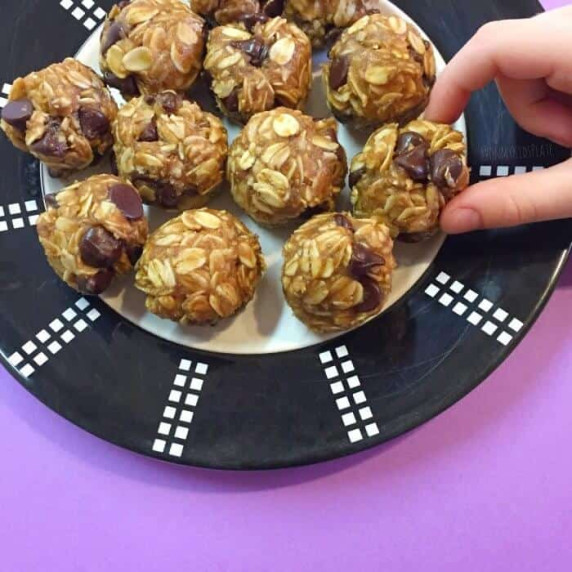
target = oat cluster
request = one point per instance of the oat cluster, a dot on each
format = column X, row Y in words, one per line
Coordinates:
column 404, row 177
column 200, row 267
column 285, row 167
column 379, row 71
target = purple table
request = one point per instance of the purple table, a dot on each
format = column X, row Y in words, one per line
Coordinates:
column 486, row 486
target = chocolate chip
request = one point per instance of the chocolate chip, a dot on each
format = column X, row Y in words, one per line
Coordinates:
column 273, row 8
column 150, row 133
column 133, row 252
column 254, row 48
column 343, row 221
column 415, row 237
column 408, row 141
column 166, row 195
column 372, row 296
column 363, row 260
column 339, row 72
column 17, row 113
column 95, row 284
column 446, row 169
column 115, row 32
column 231, row 102
column 415, row 163
column 94, row 123
column 99, row 248
column 169, row 101
column 113, row 164
column 127, row 200
column 355, row 176
column 127, row 86
column 332, row 36
column 250, row 20
column 50, row 144
column 51, row 201
column 149, row 99
column 123, row 4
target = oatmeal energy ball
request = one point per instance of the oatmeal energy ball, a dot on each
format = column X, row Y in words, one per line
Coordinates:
column 170, row 149
column 258, row 70
column 324, row 20
column 286, row 165
column 62, row 115
column 92, row 231
column 200, row 267
column 337, row 271
column 148, row 46
column 221, row 12
column 380, row 71
column 405, row 177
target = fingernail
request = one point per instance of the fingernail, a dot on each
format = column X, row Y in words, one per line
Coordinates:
column 461, row 220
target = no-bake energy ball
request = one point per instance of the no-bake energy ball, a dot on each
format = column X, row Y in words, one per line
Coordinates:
column 380, row 71
column 258, row 70
column 337, row 271
column 249, row 12
column 405, row 177
column 62, row 115
column 324, row 20
column 173, row 152
column 148, row 46
column 93, row 231
column 286, row 165
column 200, row 267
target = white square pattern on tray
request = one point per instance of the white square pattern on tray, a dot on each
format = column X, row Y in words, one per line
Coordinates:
column 47, row 343
column 477, row 310
column 183, row 400
column 348, row 394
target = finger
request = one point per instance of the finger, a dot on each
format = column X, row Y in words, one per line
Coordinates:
column 518, row 49
column 504, row 202
column 537, row 109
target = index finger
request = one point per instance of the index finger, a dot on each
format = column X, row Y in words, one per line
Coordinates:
column 518, row 49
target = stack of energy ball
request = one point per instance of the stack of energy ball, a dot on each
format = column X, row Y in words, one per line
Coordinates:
column 204, row 265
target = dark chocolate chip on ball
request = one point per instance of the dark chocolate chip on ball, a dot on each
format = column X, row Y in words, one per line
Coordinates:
column 446, row 168
column 273, row 8
column 134, row 253
column 127, row 86
column 339, row 72
column 255, row 49
column 343, row 221
column 170, row 102
column 51, row 144
column 356, row 176
column 99, row 248
column 408, row 141
column 231, row 102
column 17, row 113
column 96, row 284
column 250, row 20
column 127, row 200
column 415, row 163
column 363, row 260
column 166, row 195
column 150, row 133
column 94, row 123
column 114, row 33
column 372, row 296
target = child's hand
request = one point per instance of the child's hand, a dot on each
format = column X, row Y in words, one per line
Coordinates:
column 532, row 64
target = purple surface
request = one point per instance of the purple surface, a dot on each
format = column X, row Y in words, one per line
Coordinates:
column 485, row 486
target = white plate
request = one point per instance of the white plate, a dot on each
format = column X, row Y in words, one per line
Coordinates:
column 267, row 325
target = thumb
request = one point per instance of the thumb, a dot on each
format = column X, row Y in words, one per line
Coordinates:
column 510, row 201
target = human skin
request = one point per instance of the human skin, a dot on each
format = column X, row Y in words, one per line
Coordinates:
column 529, row 61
